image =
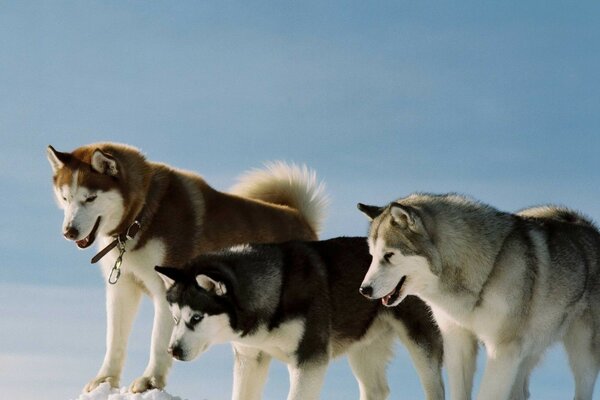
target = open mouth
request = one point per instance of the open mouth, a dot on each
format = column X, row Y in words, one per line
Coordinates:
column 391, row 297
column 89, row 239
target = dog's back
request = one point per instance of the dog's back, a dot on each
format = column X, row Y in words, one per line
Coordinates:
column 562, row 214
column 572, row 247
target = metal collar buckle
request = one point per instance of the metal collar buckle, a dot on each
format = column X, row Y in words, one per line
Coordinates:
column 115, row 272
column 133, row 230
column 118, row 242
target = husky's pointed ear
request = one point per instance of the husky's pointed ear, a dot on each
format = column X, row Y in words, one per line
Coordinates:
column 406, row 216
column 169, row 275
column 210, row 285
column 57, row 159
column 103, row 163
column 370, row 211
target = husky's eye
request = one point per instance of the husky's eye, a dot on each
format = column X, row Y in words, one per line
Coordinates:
column 64, row 198
column 387, row 256
column 196, row 318
column 91, row 198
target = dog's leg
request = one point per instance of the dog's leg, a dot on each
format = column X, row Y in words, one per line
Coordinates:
column 500, row 371
column 155, row 375
column 122, row 302
column 306, row 380
column 369, row 362
column 520, row 390
column 584, row 361
column 428, row 363
column 460, row 356
column 250, row 370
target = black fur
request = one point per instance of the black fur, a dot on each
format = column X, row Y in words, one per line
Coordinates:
column 316, row 281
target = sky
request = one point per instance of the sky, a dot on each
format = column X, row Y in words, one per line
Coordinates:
column 497, row 100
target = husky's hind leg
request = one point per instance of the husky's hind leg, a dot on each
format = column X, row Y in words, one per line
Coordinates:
column 425, row 347
column 369, row 362
column 122, row 302
column 250, row 370
column 428, row 363
column 583, row 356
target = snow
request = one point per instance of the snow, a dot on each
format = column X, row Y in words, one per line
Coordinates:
column 105, row 392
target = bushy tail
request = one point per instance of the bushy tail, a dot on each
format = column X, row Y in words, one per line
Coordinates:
column 558, row 213
column 290, row 185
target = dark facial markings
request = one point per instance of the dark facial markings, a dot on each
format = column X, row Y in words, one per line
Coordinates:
column 195, row 320
column 394, row 235
column 185, row 292
column 388, row 256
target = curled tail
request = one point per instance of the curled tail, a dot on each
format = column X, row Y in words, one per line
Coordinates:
column 289, row 185
column 557, row 213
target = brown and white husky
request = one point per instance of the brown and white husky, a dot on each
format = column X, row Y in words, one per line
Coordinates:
column 152, row 214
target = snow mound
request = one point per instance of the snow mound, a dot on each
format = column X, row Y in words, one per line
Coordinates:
column 105, row 392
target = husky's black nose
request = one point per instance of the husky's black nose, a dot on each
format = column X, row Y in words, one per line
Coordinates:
column 366, row 291
column 71, row 233
column 176, row 352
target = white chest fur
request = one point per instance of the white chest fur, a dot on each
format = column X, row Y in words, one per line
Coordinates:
column 281, row 343
column 137, row 264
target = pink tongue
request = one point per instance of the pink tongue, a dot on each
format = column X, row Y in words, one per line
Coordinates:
column 385, row 299
column 82, row 242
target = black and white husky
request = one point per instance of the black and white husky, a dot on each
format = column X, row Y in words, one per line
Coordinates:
column 298, row 302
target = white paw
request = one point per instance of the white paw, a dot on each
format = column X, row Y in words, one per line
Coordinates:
column 144, row 383
column 113, row 381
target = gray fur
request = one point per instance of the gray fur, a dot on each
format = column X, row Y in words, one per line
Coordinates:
column 516, row 282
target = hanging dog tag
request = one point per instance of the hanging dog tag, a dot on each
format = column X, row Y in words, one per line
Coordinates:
column 115, row 272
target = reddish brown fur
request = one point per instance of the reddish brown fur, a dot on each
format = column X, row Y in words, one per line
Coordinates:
column 180, row 207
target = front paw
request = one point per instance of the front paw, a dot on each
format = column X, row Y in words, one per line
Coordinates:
column 144, row 383
column 113, row 381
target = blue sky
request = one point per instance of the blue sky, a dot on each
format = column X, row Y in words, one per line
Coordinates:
column 499, row 100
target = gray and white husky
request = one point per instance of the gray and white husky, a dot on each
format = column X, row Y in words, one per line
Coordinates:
column 515, row 282
column 298, row 302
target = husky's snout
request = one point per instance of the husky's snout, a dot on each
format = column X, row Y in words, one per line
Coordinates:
column 71, row 233
column 177, row 352
column 366, row 291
